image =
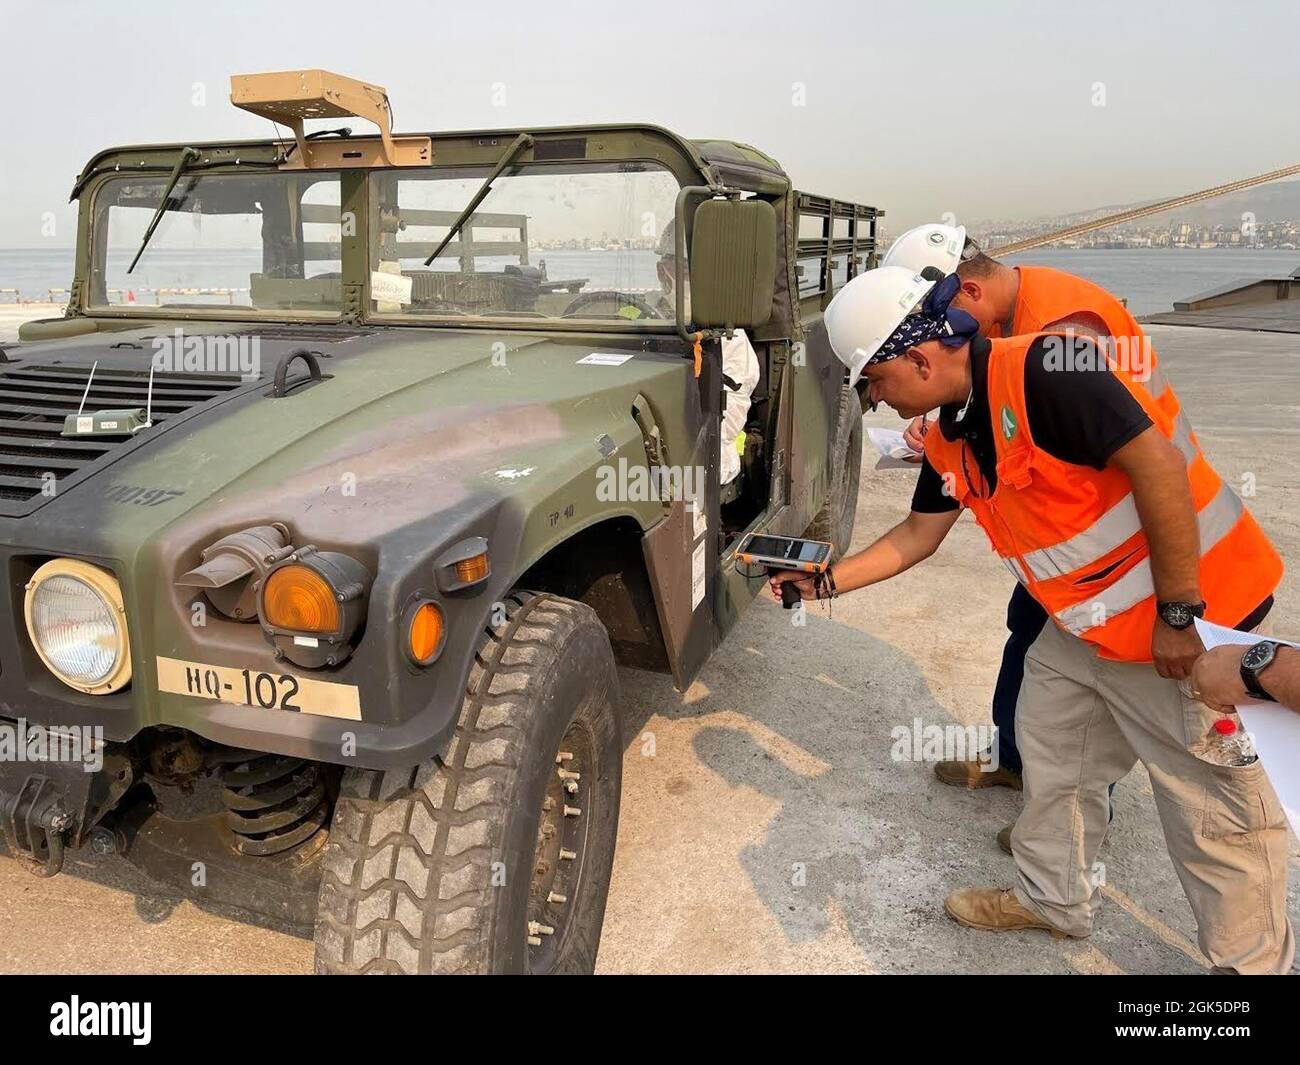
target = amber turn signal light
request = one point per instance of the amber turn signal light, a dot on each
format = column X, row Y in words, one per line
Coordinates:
column 312, row 606
column 472, row 569
column 298, row 598
column 425, row 630
column 463, row 565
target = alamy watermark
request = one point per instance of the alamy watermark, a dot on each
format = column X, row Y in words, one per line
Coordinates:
column 920, row 742
column 1133, row 355
column 208, row 353
column 133, row 1020
column 634, row 483
column 24, row 742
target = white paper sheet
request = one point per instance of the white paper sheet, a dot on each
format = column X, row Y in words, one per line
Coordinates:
column 1275, row 729
column 390, row 287
column 894, row 450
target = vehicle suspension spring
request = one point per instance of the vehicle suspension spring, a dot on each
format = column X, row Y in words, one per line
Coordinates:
column 273, row 803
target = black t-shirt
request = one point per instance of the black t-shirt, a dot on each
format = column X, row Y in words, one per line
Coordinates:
column 1077, row 413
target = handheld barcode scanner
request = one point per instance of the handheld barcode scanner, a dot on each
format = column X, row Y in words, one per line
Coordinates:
column 776, row 553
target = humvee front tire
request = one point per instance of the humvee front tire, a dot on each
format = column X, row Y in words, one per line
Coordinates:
column 834, row 522
column 496, row 858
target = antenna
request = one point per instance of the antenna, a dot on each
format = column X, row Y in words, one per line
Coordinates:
column 148, row 403
column 87, row 392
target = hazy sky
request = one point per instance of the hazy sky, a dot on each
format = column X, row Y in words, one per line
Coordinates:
column 986, row 110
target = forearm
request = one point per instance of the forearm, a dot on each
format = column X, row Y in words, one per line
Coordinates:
column 912, row 540
column 1163, row 496
column 1282, row 678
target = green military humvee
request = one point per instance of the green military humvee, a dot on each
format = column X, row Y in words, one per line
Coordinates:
column 354, row 468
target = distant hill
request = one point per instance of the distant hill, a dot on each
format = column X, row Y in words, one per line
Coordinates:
column 1274, row 202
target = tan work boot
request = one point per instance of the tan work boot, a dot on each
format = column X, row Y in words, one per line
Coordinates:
column 976, row 775
column 995, row 910
column 1004, row 837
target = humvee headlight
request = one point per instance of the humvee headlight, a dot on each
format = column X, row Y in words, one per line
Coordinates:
column 312, row 604
column 77, row 624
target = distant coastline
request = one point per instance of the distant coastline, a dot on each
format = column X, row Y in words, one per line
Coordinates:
column 1150, row 279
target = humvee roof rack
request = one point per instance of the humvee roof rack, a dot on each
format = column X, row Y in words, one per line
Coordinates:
column 290, row 97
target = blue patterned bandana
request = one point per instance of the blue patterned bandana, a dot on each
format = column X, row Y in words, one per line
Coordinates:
column 935, row 319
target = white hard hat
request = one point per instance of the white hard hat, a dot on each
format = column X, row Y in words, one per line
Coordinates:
column 868, row 309
column 933, row 244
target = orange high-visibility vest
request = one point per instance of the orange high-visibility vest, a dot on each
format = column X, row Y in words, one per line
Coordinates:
column 1071, row 534
column 1047, row 296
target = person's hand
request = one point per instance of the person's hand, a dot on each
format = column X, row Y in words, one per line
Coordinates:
column 1175, row 651
column 1216, row 678
column 802, row 581
column 914, row 437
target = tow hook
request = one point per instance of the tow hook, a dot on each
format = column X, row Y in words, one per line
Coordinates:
column 35, row 821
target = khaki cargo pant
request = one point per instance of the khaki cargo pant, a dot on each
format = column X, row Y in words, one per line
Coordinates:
column 1081, row 723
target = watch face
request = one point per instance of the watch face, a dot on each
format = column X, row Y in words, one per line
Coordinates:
column 1176, row 615
column 1259, row 656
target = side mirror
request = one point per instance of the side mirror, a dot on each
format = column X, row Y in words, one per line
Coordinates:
column 733, row 264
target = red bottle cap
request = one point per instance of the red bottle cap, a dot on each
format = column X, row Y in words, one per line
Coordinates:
column 1225, row 726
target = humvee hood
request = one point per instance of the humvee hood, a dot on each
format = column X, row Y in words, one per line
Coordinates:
column 407, row 423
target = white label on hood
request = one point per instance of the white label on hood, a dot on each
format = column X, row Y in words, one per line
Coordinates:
column 602, row 358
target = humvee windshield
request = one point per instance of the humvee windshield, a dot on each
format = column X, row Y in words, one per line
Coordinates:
column 574, row 242
column 550, row 241
column 261, row 241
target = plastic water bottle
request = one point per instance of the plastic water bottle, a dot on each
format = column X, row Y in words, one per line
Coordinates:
column 1226, row 744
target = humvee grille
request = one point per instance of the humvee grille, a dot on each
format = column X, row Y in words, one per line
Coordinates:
column 34, row 400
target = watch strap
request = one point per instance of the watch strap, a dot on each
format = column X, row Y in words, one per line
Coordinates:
column 1250, row 675
column 1197, row 610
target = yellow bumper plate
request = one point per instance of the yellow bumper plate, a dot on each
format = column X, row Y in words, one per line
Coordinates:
column 250, row 687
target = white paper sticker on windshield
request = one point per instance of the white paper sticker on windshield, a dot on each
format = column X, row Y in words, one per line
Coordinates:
column 603, row 358
column 390, row 288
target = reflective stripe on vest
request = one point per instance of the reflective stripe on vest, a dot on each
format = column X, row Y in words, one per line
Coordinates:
column 1182, row 438
column 1095, row 542
column 1156, row 386
column 1110, row 530
column 1215, row 520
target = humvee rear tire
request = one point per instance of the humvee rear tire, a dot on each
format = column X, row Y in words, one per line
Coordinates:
column 834, row 522
column 456, row 866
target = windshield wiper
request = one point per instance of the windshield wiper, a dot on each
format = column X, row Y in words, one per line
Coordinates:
column 524, row 140
column 186, row 156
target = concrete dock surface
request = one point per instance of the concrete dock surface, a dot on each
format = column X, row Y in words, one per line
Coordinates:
column 13, row 315
column 765, row 826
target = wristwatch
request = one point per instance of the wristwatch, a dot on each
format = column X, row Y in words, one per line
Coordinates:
column 1180, row 615
column 1257, row 659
